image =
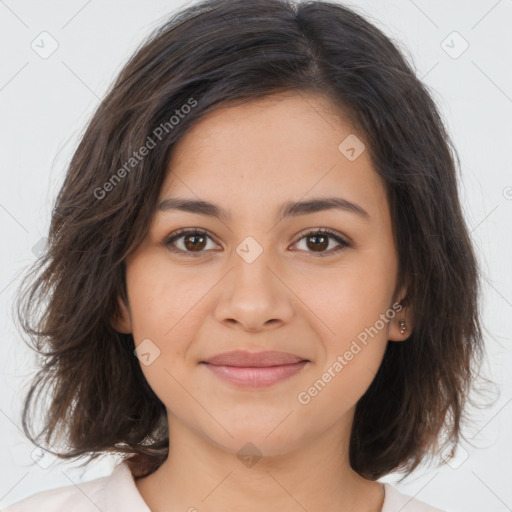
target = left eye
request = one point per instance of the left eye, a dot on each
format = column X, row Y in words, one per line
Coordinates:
column 194, row 241
column 321, row 239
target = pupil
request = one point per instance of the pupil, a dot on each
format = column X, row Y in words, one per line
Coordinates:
column 316, row 237
column 193, row 245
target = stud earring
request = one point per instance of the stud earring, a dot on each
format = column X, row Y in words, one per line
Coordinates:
column 401, row 324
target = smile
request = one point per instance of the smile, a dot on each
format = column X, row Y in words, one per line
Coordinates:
column 255, row 377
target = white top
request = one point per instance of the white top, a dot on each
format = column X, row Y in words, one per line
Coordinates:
column 118, row 492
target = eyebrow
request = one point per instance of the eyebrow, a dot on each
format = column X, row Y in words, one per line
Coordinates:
column 288, row 209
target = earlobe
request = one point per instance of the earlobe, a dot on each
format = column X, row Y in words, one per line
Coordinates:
column 402, row 323
column 401, row 326
column 122, row 322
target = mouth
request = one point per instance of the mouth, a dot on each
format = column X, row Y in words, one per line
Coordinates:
column 260, row 369
column 242, row 358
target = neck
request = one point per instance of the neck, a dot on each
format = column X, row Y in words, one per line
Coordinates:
column 316, row 476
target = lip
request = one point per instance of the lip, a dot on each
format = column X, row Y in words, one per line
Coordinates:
column 253, row 370
column 253, row 359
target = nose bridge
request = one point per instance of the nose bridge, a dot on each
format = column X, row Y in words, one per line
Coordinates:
column 252, row 273
column 253, row 294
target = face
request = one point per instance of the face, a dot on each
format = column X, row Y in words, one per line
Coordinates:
column 315, row 283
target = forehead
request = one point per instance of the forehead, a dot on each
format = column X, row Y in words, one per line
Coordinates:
column 283, row 147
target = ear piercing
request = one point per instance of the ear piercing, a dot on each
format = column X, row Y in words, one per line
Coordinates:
column 401, row 324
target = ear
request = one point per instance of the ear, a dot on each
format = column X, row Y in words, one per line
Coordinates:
column 402, row 323
column 122, row 322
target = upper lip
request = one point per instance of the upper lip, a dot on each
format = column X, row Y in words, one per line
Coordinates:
column 255, row 359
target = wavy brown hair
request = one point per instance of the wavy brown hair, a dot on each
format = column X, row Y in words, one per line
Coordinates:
column 203, row 57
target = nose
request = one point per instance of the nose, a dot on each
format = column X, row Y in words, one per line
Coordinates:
column 253, row 297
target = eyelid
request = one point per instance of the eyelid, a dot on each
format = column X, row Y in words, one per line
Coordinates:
column 185, row 231
column 331, row 232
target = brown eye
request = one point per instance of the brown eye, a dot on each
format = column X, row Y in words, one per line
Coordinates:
column 193, row 241
column 318, row 241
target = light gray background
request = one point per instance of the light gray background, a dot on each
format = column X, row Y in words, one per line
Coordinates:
column 45, row 104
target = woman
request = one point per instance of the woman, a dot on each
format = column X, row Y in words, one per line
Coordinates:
column 262, row 292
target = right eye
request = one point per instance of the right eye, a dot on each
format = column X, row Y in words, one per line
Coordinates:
column 192, row 239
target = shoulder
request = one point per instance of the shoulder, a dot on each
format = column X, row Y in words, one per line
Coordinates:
column 395, row 501
column 83, row 497
column 108, row 494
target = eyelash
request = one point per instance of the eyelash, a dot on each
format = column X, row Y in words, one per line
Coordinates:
column 197, row 231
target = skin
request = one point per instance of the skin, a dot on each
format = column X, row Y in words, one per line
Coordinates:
column 250, row 159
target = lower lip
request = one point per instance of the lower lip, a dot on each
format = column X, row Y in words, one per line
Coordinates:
column 256, row 377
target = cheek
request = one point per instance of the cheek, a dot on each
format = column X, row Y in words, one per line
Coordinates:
column 161, row 299
column 349, row 298
column 167, row 308
column 336, row 390
column 353, row 308
column 366, row 287
column 163, row 305
column 352, row 353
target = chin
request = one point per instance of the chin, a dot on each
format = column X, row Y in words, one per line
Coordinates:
column 251, row 448
column 257, row 439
